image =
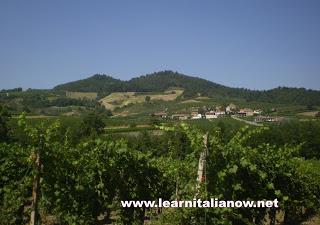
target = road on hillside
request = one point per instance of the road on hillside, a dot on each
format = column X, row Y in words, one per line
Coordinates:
column 246, row 121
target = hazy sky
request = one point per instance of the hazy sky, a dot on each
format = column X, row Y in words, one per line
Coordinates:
column 258, row 44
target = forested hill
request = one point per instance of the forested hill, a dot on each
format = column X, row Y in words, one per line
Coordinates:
column 155, row 82
column 95, row 83
column 163, row 80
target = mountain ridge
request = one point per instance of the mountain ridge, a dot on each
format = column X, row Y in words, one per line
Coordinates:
column 160, row 81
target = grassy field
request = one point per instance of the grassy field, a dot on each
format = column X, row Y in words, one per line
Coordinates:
column 132, row 113
column 224, row 123
column 82, row 95
column 189, row 104
column 308, row 114
column 120, row 99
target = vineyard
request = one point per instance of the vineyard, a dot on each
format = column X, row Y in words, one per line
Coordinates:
column 159, row 112
column 49, row 176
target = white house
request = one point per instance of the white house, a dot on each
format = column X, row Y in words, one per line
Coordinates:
column 219, row 113
column 245, row 112
column 211, row 115
column 198, row 116
column 257, row 112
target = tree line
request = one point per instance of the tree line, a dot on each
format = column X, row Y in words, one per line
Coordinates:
column 193, row 86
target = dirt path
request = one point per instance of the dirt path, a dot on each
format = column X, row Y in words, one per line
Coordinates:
column 246, row 121
column 36, row 117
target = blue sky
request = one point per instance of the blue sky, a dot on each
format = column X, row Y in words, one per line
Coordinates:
column 247, row 43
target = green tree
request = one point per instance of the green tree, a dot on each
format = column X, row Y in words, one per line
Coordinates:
column 147, row 98
column 4, row 117
column 92, row 124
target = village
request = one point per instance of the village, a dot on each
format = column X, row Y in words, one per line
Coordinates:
column 215, row 112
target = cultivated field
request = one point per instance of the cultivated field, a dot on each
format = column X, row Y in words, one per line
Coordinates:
column 120, row 99
column 189, row 101
column 311, row 114
column 81, row 95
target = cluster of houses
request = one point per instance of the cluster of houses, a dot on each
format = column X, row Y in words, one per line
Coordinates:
column 216, row 112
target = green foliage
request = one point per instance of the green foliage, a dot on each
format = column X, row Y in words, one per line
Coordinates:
column 4, row 117
column 15, row 183
column 238, row 171
column 163, row 80
column 84, row 179
column 147, row 98
column 19, row 89
column 78, row 182
column 92, row 124
column 132, row 125
column 38, row 100
column 97, row 83
column 62, row 102
column 305, row 133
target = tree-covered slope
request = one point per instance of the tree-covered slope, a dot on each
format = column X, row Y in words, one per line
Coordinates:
column 163, row 80
column 286, row 95
column 95, row 83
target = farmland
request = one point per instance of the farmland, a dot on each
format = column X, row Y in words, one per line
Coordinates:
column 81, row 95
column 121, row 99
column 160, row 112
column 101, row 147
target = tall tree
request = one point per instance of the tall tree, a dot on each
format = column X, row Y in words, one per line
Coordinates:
column 4, row 117
column 92, row 124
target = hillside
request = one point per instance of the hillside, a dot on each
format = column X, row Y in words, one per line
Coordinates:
column 96, row 83
column 120, row 99
column 161, row 81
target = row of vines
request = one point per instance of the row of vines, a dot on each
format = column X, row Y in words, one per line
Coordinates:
column 83, row 183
